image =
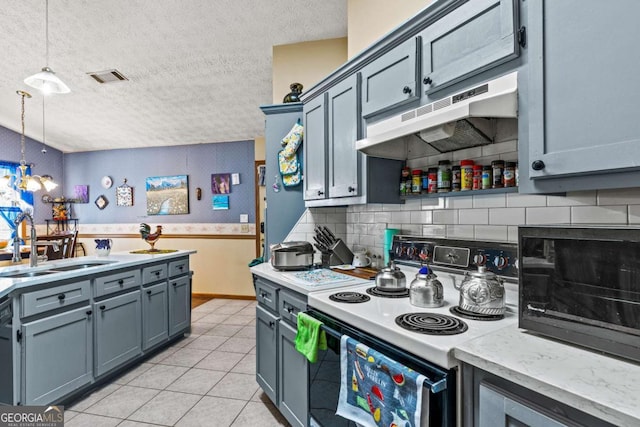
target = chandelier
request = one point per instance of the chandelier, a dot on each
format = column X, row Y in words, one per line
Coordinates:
column 22, row 180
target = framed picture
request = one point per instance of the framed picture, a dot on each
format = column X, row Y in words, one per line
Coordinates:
column 221, row 183
column 220, row 202
column 81, row 193
column 167, row 195
column 124, row 195
column 101, row 202
column 59, row 211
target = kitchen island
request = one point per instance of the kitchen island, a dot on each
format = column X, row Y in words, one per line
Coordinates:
column 67, row 326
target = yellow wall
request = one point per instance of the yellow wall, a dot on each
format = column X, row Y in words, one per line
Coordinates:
column 369, row 20
column 220, row 267
column 306, row 63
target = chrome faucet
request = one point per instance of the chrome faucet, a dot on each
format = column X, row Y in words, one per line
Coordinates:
column 33, row 255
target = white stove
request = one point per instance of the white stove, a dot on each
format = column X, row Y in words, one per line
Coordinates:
column 377, row 316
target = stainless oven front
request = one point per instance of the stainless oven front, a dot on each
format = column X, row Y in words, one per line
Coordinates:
column 438, row 398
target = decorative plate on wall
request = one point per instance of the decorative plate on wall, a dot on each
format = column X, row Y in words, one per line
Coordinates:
column 106, row 182
column 101, row 202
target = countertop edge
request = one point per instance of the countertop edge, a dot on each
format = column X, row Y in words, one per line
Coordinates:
column 122, row 260
column 570, row 375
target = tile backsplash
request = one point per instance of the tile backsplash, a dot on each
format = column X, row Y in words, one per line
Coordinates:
column 492, row 217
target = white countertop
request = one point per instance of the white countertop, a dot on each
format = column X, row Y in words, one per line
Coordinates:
column 605, row 387
column 288, row 279
column 115, row 260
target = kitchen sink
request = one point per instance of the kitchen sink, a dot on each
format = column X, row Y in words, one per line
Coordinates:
column 81, row 266
column 23, row 274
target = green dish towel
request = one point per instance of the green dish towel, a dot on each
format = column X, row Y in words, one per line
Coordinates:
column 310, row 338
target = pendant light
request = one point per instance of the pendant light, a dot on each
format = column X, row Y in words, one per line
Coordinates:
column 46, row 80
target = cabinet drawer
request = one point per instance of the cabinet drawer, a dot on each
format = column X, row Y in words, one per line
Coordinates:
column 267, row 294
column 154, row 273
column 59, row 296
column 289, row 307
column 178, row 267
column 116, row 282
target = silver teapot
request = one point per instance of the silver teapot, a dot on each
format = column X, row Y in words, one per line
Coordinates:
column 481, row 292
column 426, row 290
column 390, row 278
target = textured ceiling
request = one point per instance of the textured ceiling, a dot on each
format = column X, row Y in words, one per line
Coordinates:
column 198, row 69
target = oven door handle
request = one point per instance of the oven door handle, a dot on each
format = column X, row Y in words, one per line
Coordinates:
column 435, row 387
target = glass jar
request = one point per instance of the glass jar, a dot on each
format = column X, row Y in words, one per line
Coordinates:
column 509, row 175
column 486, row 177
column 497, row 169
column 425, row 181
column 444, row 176
column 416, row 186
column 466, row 175
column 433, row 181
column 455, row 178
column 403, row 180
column 477, row 177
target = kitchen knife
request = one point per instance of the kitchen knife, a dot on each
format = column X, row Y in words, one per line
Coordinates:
column 321, row 246
column 327, row 236
column 323, row 239
column 331, row 235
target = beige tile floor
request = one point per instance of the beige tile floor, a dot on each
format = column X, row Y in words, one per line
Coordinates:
column 205, row 379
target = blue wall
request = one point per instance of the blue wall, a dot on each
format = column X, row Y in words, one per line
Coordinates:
column 197, row 161
column 50, row 163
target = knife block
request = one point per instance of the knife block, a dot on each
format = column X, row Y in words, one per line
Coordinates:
column 329, row 260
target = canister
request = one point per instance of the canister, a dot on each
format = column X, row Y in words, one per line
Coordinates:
column 456, row 179
column 497, row 169
column 416, row 186
column 444, row 176
column 466, row 175
column 477, row 177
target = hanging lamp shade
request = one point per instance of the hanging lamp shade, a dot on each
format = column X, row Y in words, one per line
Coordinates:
column 47, row 82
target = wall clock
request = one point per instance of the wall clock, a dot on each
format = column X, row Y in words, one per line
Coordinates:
column 106, row 182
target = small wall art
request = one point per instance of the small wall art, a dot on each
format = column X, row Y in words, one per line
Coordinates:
column 220, row 183
column 124, row 195
column 101, row 202
column 220, row 202
column 81, row 193
column 167, row 195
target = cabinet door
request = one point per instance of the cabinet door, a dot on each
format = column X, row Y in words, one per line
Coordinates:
column 57, row 356
column 267, row 352
column 315, row 143
column 179, row 305
column 155, row 315
column 583, row 87
column 118, row 336
column 392, row 79
column 293, row 381
column 497, row 409
column 472, row 38
column 344, row 130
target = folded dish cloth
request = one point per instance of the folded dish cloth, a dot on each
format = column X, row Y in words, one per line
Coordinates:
column 310, row 338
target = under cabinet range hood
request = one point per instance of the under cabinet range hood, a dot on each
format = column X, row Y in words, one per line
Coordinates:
column 466, row 119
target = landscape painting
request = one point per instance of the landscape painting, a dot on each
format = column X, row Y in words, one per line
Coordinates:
column 220, row 202
column 168, row 195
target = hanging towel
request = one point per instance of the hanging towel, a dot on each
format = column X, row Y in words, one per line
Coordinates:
column 376, row 390
column 310, row 338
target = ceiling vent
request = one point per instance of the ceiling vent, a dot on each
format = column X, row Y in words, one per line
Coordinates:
column 108, row 76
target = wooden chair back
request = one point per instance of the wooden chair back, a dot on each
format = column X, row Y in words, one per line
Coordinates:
column 66, row 245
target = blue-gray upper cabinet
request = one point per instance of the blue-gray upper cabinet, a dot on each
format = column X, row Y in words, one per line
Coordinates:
column 583, row 87
column 344, row 130
column 315, row 143
column 392, row 79
column 476, row 36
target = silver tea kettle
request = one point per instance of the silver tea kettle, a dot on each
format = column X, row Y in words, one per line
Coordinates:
column 426, row 290
column 390, row 278
column 481, row 292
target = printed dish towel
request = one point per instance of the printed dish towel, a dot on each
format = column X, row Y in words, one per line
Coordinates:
column 375, row 390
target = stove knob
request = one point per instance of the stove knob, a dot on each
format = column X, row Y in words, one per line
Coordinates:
column 515, row 264
column 479, row 259
column 501, row 262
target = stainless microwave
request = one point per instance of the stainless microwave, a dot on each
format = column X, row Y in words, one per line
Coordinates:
column 581, row 284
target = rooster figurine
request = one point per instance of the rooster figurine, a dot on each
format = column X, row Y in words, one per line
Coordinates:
column 150, row 238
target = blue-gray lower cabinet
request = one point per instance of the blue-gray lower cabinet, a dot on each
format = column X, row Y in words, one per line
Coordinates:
column 57, row 355
column 155, row 316
column 293, row 383
column 118, row 337
column 267, row 352
column 179, row 304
